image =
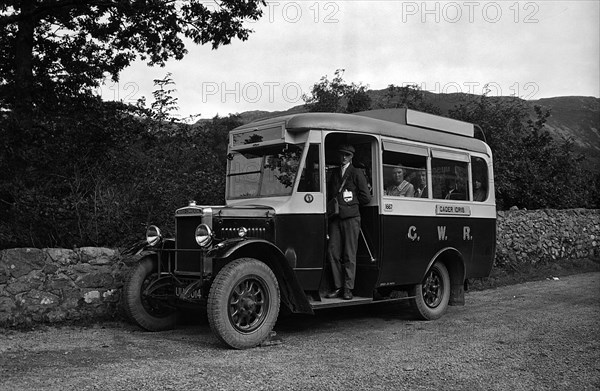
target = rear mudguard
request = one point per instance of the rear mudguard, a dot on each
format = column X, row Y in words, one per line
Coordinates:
column 292, row 294
column 455, row 263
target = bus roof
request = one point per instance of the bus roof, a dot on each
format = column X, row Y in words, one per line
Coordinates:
column 395, row 123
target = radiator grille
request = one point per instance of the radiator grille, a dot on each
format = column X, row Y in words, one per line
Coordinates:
column 185, row 229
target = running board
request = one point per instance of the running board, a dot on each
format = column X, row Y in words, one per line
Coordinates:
column 357, row 300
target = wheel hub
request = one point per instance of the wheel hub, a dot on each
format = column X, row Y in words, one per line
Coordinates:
column 248, row 305
column 432, row 294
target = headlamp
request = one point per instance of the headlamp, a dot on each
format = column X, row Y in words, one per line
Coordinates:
column 204, row 235
column 153, row 235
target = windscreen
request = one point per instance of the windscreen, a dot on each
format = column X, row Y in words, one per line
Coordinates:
column 263, row 172
column 256, row 136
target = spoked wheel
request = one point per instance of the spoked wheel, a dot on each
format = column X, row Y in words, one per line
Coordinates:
column 142, row 306
column 248, row 305
column 432, row 295
column 243, row 303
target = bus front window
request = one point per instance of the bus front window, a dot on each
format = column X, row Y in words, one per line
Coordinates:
column 263, row 172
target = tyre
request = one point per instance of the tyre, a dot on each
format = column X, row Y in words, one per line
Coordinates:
column 432, row 295
column 243, row 303
column 151, row 314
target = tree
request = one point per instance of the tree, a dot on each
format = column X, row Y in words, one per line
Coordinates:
column 96, row 173
column 336, row 96
column 357, row 99
column 410, row 96
column 102, row 172
column 531, row 169
column 52, row 48
column 164, row 101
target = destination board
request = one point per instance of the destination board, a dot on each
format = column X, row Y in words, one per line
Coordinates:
column 446, row 209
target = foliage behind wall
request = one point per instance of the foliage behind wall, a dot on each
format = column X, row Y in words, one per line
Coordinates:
column 93, row 173
column 96, row 173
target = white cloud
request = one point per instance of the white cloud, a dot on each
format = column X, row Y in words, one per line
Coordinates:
column 533, row 49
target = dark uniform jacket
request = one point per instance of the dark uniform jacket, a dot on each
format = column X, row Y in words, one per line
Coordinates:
column 356, row 185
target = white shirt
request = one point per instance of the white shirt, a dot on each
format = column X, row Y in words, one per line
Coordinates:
column 344, row 167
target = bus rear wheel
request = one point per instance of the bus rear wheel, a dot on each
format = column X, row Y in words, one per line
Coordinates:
column 243, row 303
column 431, row 296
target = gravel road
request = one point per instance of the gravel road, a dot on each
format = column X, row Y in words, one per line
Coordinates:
column 541, row 335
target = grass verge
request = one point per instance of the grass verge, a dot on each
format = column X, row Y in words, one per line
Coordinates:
column 511, row 274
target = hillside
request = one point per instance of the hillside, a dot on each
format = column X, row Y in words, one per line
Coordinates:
column 577, row 117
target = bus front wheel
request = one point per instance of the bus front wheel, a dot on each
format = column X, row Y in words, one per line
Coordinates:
column 243, row 303
column 431, row 296
column 143, row 307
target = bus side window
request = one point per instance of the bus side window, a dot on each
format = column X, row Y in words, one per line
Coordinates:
column 450, row 179
column 480, row 179
column 310, row 177
column 402, row 174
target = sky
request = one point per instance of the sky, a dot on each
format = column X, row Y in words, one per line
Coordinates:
column 531, row 49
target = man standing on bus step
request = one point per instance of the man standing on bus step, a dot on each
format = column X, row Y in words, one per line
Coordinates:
column 349, row 185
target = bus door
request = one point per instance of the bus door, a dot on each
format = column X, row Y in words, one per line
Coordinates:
column 365, row 159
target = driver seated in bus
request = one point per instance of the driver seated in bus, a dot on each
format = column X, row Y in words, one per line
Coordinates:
column 400, row 187
column 453, row 190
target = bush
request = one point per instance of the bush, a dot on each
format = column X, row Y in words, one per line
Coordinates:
column 92, row 173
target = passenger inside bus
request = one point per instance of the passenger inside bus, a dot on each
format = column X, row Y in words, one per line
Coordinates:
column 480, row 192
column 399, row 187
column 420, row 184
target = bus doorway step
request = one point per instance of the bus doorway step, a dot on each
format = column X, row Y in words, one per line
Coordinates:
column 339, row 302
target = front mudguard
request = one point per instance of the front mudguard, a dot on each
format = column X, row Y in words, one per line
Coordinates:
column 136, row 253
column 131, row 260
column 292, row 294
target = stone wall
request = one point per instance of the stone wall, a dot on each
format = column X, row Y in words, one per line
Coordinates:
column 54, row 285
column 546, row 235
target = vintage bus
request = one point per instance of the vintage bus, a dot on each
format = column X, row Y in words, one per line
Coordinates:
column 266, row 248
